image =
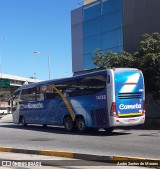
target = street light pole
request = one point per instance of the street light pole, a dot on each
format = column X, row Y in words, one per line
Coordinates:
column 39, row 53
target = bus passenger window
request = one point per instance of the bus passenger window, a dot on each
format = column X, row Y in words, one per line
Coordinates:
column 49, row 96
column 40, row 97
column 54, row 95
column 28, row 94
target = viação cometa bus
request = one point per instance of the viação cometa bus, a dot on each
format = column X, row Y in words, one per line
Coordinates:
column 99, row 99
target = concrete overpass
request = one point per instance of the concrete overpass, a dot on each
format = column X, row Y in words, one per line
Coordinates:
column 15, row 82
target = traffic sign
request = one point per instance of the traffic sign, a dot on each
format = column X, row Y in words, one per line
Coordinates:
column 4, row 83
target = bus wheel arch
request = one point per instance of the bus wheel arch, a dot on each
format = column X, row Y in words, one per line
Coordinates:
column 22, row 121
column 80, row 123
column 68, row 123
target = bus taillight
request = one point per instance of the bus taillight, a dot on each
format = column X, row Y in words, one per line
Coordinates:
column 144, row 108
column 113, row 111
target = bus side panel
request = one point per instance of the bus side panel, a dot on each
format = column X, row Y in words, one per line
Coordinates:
column 110, row 96
column 93, row 108
column 44, row 112
column 56, row 110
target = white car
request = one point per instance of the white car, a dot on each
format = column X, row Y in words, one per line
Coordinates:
column 3, row 111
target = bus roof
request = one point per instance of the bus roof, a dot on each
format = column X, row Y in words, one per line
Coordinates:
column 85, row 74
column 54, row 81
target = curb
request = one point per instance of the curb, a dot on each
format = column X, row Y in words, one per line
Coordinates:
column 97, row 158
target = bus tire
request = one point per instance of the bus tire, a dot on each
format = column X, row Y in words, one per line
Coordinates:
column 68, row 123
column 80, row 124
column 109, row 130
column 22, row 122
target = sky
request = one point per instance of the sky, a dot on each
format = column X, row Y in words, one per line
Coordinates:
column 43, row 26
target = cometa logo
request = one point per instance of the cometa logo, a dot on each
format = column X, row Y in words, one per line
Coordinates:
column 135, row 106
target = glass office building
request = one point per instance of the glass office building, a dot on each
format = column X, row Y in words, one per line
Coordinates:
column 110, row 25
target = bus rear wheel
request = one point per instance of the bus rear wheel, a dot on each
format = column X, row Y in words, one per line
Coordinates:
column 80, row 124
column 68, row 123
column 22, row 122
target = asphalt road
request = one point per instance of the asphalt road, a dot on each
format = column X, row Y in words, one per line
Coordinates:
column 135, row 143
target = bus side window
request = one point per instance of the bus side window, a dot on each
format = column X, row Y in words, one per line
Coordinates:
column 28, row 94
column 67, row 93
column 39, row 94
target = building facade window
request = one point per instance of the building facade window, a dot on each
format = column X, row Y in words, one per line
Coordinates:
column 88, row 61
column 91, row 43
column 91, row 11
column 111, row 6
column 102, row 28
column 92, row 27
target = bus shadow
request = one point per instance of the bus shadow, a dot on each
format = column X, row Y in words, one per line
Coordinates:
column 61, row 130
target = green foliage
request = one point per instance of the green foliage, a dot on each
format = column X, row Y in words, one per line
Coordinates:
column 110, row 59
column 100, row 59
column 5, row 95
column 147, row 58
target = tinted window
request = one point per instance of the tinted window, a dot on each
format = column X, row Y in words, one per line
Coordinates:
column 112, row 39
column 112, row 21
column 91, row 43
column 47, row 92
column 88, row 60
column 111, row 5
column 84, row 86
column 28, row 94
column 92, row 27
column 91, row 11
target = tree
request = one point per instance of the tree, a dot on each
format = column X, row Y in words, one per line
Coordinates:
column 110, row 59
column 148, row 59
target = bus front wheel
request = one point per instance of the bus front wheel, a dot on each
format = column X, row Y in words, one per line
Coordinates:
column 80, row 124
column 22, row 121
column 68, row 123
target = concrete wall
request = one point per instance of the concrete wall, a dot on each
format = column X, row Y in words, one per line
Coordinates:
column 152, row 107
column 77, row 40
column 139, row 17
